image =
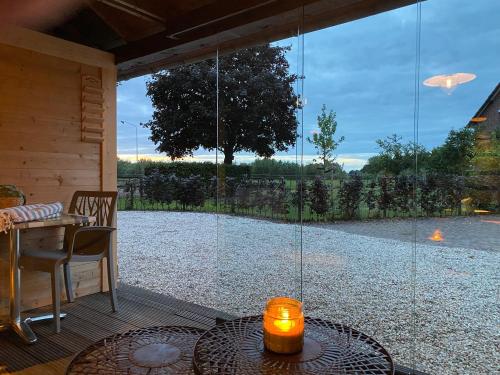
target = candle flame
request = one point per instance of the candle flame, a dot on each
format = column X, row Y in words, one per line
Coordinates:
column 436, row 236
column 284, row 323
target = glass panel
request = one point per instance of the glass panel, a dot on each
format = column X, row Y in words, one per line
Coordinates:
column 358, row 240
column 259, row 127
column 459, row 179
column 173, row 249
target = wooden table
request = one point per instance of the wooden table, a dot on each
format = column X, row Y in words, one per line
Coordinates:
column 15, row 322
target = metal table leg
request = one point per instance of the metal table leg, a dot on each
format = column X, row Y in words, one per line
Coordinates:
column 16, row 323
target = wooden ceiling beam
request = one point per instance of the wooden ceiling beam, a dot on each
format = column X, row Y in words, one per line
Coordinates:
column 134, row 10
column 127, row 26
column 206, row 21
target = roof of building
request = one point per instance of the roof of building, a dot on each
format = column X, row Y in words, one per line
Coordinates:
column 491, row 98
column 148, row 35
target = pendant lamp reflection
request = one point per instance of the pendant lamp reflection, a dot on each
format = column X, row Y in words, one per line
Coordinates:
column 448, row 83
column 478, row 119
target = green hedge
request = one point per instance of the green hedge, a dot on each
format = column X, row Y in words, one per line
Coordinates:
column 205, row 170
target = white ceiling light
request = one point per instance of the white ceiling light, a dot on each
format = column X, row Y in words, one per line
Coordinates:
column 449, row 82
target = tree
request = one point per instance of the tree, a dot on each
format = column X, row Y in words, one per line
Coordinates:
column 256, row 105
column 395, row 157
column 456, row 154
column 323, row 141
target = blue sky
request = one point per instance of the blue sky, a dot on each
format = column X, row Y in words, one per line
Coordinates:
column 364, row 71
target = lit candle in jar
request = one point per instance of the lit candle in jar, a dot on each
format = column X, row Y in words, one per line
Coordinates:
column 283, row 325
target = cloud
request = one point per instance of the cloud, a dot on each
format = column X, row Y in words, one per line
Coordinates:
column 364, row 71
column 348, row 161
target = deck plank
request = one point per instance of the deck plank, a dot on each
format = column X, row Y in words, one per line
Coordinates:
column 90, row 319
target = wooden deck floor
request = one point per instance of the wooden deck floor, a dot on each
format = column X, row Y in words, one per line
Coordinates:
column 90, row 319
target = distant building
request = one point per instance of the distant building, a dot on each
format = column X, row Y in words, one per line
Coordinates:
column 486, row 179
column 487, row 118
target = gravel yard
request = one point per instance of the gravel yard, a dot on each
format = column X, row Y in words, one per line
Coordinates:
column 364, row 281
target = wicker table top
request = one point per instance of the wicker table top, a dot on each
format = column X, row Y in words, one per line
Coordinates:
column 236, row 347
column 155, row 350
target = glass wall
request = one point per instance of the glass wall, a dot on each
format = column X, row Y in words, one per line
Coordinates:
column 358, row 241
column 258, row 227
column 380, row 208
column 458, row 233
column 355, row 168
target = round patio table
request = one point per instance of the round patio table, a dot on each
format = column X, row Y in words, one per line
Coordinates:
column 236, row 347
column 154, row 350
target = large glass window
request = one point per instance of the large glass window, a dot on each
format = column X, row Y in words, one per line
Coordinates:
column 358, row 236
column 458, row 231
column 259, row 129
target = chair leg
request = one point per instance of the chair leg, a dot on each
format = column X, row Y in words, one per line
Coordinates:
column 111, row 280
column 56, row 298
column 67, row 283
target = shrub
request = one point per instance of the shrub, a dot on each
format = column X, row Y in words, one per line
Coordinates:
column 455, row 190
column 242, row 195
column 205, row 170
column 385, row 196
column 130, row 188
column 350, row 195
column 260, row 196
column 371, row 197
column 160, row 188
column 428, row 194
column 190, row 192
column 279, row 202
column 319, row 197
column 402, row 194
column 299, row 197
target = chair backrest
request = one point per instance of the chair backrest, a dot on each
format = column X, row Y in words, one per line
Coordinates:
column 101, row 204
column 90, row 241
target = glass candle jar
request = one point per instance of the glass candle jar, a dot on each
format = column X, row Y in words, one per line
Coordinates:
column 283, row 325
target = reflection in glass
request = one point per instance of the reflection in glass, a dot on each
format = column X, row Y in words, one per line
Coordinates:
column 459, row 190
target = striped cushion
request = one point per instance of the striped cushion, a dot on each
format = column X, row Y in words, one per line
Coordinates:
column 34, row 212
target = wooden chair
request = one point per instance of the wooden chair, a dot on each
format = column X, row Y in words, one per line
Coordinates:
column 81, row 244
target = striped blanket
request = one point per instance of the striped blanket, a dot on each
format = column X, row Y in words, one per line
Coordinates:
column 30, row 212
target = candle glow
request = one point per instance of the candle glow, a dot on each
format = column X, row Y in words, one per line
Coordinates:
column 283, row 325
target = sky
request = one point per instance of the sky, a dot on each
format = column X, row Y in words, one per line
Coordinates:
column 365, row 71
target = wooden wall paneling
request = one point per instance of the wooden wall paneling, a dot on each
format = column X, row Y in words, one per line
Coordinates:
column 108, row 153
column 41, row 148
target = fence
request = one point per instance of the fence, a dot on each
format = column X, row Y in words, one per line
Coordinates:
column 312, row 199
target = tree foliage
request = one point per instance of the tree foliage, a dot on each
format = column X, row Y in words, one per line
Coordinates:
column 256, row 105
column 456, row 154
column 395, row 157
column 324, row 141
